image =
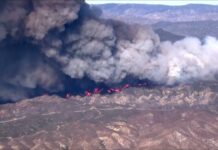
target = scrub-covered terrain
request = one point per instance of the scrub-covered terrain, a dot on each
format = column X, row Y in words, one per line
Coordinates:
column 184, row 117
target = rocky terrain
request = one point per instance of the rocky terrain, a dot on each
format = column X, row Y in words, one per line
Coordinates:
column 182, row 117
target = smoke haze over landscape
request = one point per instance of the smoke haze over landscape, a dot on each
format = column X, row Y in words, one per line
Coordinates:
column 44, row 42
column 78, row 75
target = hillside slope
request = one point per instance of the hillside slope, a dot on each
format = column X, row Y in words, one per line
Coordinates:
column 184, row 117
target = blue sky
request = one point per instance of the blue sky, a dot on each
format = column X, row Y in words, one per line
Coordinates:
column 165, row 2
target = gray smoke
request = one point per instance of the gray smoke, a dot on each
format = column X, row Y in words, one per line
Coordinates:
column 12, row 14
column 50, row 14
column 100, row 51
column 42, row 41
column 23, row 25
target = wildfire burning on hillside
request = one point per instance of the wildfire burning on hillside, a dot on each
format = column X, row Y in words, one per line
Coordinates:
column 103, row 90
column 91, row 83
column 52, row 46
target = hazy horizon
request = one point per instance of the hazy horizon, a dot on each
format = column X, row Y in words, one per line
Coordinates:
column 162, row 2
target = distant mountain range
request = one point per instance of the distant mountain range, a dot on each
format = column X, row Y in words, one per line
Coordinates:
column 170, row 22
column 150, row 14
column 168, row 36
column 199, row 29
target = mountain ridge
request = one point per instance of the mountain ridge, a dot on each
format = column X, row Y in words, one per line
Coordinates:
column 150, row 14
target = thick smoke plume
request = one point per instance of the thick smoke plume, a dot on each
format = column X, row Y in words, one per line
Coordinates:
column 44, row 41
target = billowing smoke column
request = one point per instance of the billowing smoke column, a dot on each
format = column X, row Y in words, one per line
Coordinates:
column 43, row 42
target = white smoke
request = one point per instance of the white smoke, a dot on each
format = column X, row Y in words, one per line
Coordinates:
column 190, row 59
